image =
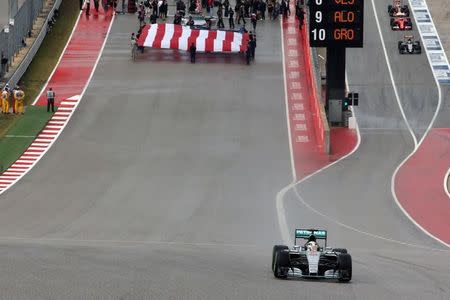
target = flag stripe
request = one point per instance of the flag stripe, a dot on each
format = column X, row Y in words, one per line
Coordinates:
column 178, row 31
column 209, row 42
column 165, row 43
column 227, row 42
column 161, row 30
column 186, row 33
column 200, row 42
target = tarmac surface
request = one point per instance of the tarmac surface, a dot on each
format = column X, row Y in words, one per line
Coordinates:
column 163, row 185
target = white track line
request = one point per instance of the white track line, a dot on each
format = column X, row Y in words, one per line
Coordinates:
column 288, row 119
column 376, row 236
column 282, row 222
column 391, row 74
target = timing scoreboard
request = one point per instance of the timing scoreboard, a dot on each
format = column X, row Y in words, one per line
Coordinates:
column 336, row 23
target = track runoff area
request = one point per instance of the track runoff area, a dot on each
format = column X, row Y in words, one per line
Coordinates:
column 119, row 229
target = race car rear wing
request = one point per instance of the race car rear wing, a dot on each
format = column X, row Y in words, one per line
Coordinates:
column 306, row 233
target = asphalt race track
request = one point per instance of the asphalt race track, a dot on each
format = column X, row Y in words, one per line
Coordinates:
column 163, row 185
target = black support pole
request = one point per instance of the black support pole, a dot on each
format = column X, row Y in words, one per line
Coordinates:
column 335, row 74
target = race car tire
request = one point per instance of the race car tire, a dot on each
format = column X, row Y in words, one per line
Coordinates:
column 282, row 264
column 277, row 248
column 340, row 250
column 418, row 48
column 406, row 10
column 392, row 22
column 389, row 9
column 400, row 45
column 345, row 267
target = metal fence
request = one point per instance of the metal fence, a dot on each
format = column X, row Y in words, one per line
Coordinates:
column 12, row 41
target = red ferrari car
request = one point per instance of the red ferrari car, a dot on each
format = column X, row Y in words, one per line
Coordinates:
column 401, row 23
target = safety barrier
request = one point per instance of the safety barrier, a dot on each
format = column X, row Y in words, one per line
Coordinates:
column 35, row 47
column 11, row 42
column 319, row 115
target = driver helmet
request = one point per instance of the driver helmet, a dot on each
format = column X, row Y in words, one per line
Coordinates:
column 312, row 246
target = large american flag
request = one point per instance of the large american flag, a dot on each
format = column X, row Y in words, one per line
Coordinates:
column 171, row 36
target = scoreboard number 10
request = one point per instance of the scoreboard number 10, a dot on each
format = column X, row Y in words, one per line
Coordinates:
column 318, row 34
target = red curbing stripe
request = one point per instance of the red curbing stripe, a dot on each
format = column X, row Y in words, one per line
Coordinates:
column 35, row 151
column 18, row 168
column 6, row 181
column 22, row 158
column 21, row 162
column 12, row 174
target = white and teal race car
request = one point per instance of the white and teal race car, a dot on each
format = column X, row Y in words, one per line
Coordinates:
column 311, row 260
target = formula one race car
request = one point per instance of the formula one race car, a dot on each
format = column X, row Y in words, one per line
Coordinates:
column 402, row 23
column 409, row 45
column 311, row 260
column 397, row 9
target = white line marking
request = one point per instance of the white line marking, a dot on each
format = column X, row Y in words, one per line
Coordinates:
column 286, row 103
column 49, row 131
column 394, row 85
column 376, row 236
column 23, row 162
column 59, row 60
column 19, row 136
column 60, row 113
column 46, row 141
column 284, row 228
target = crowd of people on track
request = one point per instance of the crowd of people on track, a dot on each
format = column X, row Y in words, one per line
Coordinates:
column 149, row 11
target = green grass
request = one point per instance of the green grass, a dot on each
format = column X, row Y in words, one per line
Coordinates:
column 22, row 134
column 32, row 82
